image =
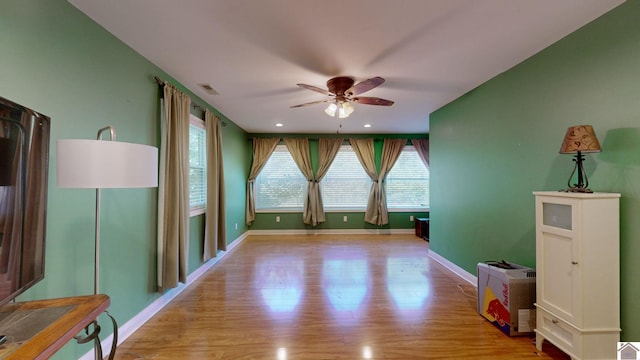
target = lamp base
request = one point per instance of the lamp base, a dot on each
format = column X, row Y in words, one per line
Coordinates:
column 577, row 189
column 581, row 186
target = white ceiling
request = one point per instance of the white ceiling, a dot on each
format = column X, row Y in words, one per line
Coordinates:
column 254, row 52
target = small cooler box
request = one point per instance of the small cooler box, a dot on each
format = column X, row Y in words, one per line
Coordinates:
column 506, row 293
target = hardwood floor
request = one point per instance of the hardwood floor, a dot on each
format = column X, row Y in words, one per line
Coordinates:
column 327, row 297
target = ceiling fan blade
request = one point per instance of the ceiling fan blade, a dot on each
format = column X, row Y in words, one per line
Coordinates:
column 314, row 88
column 367, row 100
column 365, row 85
column 310, row 103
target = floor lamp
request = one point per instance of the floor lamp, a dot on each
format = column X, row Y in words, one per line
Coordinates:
column 99, row 164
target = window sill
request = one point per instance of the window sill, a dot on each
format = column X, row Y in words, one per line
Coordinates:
column 408, row 210
column 278, row 211
column 197, row 211
column 345, row 210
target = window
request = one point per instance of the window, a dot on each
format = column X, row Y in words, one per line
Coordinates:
column 346, row 185
column 407, row 183
column 280, row 185
column 197, row 166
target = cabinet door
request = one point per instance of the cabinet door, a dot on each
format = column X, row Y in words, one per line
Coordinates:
column 558, row 251
column 560, row 279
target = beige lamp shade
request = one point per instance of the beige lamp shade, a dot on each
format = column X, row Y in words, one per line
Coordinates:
column 106, row 164
column 580, row 138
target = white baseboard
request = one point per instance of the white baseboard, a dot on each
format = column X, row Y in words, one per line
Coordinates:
column 331, row 231
column 130, row 327
column 462, row 273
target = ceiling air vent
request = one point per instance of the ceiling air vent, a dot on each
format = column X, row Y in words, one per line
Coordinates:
column 208, row 88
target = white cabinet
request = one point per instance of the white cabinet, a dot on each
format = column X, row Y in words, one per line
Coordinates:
column 577, row 270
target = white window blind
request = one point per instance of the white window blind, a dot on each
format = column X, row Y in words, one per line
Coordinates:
column 346, row 185
column 407, row 184
column 197, row 166
column 280, row 185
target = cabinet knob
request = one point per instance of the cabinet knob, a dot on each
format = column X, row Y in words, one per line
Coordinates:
column 574, row 262
column 554, row 321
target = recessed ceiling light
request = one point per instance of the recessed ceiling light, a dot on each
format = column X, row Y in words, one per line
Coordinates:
column 279, row 125
column 367, row 125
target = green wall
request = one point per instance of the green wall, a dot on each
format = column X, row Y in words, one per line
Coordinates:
column 494, row 146
column 355, row 221
column 57, row 61
column 237, row 156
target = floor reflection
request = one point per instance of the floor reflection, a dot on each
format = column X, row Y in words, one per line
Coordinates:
column 367, row 353
column 284, row 298
column 344, row 280
column 281, row 282
column 407, row 282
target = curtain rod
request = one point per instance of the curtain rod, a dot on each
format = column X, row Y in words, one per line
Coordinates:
column 193, row 105
column 282, row 137
column 346, row 138
column 158, row 80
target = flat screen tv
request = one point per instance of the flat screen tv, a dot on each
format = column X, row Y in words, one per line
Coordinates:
column 24, row 168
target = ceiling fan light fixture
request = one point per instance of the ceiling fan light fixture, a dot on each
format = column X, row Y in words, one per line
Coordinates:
column 331, row 109
column 348, row 108
column 343, row 109
column 343, row 91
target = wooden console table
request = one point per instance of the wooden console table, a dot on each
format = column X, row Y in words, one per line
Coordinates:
column 37, row 329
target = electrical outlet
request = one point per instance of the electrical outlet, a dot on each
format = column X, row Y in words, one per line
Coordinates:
column 344, row 218
column 411, row 218
column 277, row 218
column 236, row 226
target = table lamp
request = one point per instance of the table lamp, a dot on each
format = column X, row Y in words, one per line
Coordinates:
column 579, row 139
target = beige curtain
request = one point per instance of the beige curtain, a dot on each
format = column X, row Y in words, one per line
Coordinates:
column 376, row 212
column 173, row 189
column 299, row 150
column 215, row 231
column 327, row 151
column 422, row 148
column 262, row 149
column 391, row 150
column 313, row 212
column 365, row 152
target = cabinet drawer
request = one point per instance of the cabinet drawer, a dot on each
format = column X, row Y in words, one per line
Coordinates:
column 558, row 332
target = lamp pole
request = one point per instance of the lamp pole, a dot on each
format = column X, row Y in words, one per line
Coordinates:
column 96, row 260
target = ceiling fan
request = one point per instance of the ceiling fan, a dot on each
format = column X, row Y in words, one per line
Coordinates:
column 343, row 90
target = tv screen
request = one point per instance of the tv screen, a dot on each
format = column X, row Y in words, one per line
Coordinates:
column 24, row 168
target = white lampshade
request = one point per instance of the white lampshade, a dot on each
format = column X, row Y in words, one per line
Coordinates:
column 343, row 109
column 106, row 164
column 348, row 108
column 331, row 109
